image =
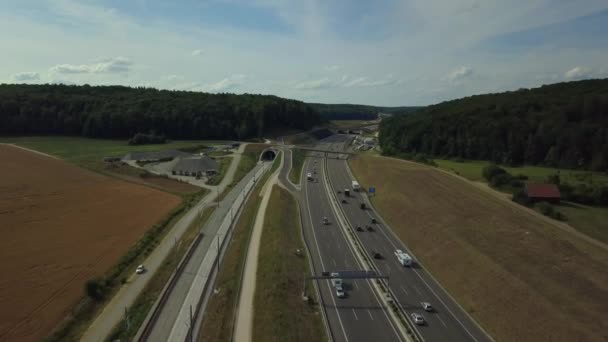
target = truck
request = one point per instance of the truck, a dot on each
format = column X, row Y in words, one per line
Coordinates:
column 309, row 176
column 404, row 258
column 355, row 185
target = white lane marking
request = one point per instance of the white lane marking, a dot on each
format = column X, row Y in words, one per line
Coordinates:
column 442, row 322
column 354, row 313
column 355, row 285
column 334, row 262
column 346, row 265
column 370, row 314
column 404, row 290
column 322, row 264
column 416, row 288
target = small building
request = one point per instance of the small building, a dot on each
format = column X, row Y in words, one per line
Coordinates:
column 154, row 155
column 542, row 192
column 195, row 166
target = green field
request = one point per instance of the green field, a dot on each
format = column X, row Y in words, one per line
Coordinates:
column 586, row 219
column 280, row 314
column 472, row 170
column 297, row 158
column 87, row 152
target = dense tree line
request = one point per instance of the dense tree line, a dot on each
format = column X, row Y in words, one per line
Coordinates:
column 122, row 112
column 560, row 125
column 356, row 112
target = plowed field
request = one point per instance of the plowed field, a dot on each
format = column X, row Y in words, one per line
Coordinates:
column 519, row 276
column 61, row 225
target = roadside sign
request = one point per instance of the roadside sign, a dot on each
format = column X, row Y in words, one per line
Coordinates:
column 372, row 190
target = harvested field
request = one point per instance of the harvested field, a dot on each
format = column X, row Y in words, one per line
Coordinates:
column 519, row 276
column 61, row 225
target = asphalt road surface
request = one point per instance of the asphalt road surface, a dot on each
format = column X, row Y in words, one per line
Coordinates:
column 411, row 285
column 360, row 316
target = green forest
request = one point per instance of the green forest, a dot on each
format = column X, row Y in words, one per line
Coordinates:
column 123, row 112
column 356, row 112
column 562, row 125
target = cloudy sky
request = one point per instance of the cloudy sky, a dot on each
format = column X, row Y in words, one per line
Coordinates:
column 381, row 52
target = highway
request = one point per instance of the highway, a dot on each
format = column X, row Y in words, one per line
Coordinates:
column 360, row 316
column 410, row 285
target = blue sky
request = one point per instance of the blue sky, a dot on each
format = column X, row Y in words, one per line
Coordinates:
column 385, row 52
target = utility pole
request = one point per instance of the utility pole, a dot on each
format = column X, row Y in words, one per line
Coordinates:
column 218, row 254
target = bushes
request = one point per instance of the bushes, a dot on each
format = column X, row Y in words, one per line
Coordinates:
column 491, row 171
column 548, row 210
column 145, row 139
column 95, row 288
column 521, row 198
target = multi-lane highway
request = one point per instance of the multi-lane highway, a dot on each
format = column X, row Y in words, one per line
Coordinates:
column 360, row 316
column 410, row 285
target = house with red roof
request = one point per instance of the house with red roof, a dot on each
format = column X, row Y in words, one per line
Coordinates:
column 542, row 192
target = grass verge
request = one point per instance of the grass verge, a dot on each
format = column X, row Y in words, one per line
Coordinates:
column 144, row 302
column 280, row 314
column 297, row 159
column 218, row 320
column 87, row 310
column 224, row 164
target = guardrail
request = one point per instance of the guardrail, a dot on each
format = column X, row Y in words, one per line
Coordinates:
column 396, row 307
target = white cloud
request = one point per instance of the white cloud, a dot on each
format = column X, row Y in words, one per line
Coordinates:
column 459, row 74
column 26, row 76
column 578, row 73
column 315, row 84
column 346, row 82
column 173, row 78
column 197, row 52
column 103, row 65
column 228, row 83
column 333, row 67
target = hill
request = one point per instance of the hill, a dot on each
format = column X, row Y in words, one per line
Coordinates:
column 121, row 112
column 560, row 125
column 356, row 112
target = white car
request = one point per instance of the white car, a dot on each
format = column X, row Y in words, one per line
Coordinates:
column 340, row 292
column 335, row 281
column 427, row 306
column 417, row 318
column 309, row 176
column 140, row 269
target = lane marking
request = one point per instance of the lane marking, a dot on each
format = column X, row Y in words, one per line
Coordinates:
column 354, row 313
column 416, row 288
column 442, row 322
column 370, row 314
column 404, row 290
column 322, row 264
column 334, row 262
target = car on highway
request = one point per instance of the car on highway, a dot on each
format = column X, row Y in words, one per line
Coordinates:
column 374, row 221
column 325, row 221
column 359, row 228
column 427, row 306
column 309, row 176
column 335, row 281
column 370, row 228
column 377, row 255
column 340, row 292
column 140, row 269
column 362, row 205
column 417, row 318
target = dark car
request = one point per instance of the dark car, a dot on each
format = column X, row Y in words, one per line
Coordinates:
column 370, row 228
column 362, row 205
column 344, row 201
column 377, row 255
column 374, row 221
column 359, row 229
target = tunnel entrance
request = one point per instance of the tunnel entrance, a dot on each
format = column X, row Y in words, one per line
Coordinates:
column 268, row 155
